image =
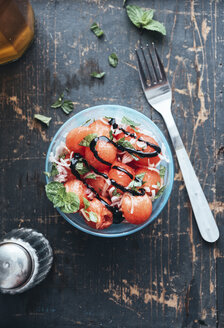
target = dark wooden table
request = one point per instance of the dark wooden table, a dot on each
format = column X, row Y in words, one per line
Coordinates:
column 164, row 276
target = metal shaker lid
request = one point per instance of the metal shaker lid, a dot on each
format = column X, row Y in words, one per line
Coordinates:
column 15, row 265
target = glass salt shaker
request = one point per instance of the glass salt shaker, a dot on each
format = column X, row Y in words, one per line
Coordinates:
column 25, row 259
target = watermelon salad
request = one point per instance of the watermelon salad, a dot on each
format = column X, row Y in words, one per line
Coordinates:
column 109, row 171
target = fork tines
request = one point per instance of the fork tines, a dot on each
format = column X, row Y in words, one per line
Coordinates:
column 151, row 70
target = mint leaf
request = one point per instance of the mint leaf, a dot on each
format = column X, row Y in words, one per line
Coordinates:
column 81, row 168
column 54, row 171
column 93, row 217
column 111, row 135
column 159, row 193
column 96, row 29
column 155, row 26
column 53, row 188
column 48, row 174
column 67, row 106
column 86, row 203
column 98, row 75
column 125, row 143
column 162, row 171
column 116, row 193
column 144, row 19
column 86, row 122
column 87, row 140
column 140, row 176
column 91, row 176
column 113, row 60
column 71, row 203
column 137, row 182
column 127, row 121
column 135, row 157
column 147, row 17
column 68, row 202
column 58, row 102
column 134, row 184
column 43, row 119
column 139, row 16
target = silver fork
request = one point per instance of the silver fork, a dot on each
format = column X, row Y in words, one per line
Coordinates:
column 158, row 93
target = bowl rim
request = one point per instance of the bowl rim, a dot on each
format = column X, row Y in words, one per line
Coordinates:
column 169, row 189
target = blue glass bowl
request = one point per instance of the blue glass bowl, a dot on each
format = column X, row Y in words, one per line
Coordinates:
column 122, row 229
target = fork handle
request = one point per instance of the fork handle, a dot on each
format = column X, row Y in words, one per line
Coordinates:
column 203, row 215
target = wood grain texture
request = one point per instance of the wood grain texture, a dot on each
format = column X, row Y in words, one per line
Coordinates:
column 164, row 276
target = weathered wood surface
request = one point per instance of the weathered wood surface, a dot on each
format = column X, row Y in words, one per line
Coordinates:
column 164, row 276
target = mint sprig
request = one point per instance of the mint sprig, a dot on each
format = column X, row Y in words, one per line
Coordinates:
column 67, row 202
column 66, row 105
column 142, row 18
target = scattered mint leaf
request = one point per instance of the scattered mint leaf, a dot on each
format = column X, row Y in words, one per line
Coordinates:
column 67, row 106
column 162, row 171
column 43, row 119
column 144, row 19
column 113, row 60
column 93, row 217
column 158, row 184
column 156, row 26
column 127, row 121
column 86, row 203
column 86, row 122
column 68, row 202
column 91, row 176
column 81, row 168
column 116, row 193
column 98, row 75
column 58, row 102
column 111, row 135
column 87, row 140
column 159, row 193
column 96, row 29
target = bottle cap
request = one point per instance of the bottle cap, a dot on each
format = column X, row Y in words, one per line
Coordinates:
column 15, row 265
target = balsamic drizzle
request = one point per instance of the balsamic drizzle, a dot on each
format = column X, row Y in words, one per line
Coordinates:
column 115, row 126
